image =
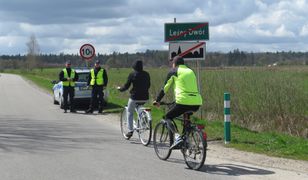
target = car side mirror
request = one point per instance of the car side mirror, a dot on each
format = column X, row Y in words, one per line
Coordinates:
column 54, row 82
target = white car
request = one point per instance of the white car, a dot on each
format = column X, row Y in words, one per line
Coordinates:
column 82, row 93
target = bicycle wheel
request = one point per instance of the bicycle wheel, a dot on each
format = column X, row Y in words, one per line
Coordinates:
column 194, row 149
column 145, row 128
column 162, row 140
column 123, row 123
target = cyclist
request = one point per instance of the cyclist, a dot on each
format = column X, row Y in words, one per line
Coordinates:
column 187, row 96
column 140, row 80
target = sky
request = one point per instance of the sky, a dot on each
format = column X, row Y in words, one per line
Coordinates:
column 63, row 26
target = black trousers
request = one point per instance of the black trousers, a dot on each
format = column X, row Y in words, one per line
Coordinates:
column 68, row 91
column 178, row 110
column 97, row 97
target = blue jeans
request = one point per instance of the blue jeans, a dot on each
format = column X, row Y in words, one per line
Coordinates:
column 131, row 105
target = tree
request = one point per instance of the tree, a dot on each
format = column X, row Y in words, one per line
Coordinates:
column 33, row 52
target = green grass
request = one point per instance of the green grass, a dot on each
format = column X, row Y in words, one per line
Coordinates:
column 246, row 105
column 269, row 143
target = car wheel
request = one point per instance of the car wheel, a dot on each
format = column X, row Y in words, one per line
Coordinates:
column 61, row 102
column 54, row 100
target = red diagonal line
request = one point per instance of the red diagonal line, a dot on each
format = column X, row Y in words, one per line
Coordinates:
column 186, row 32
column 189, row 50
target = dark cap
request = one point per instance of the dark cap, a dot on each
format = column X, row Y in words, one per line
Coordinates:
column 97, row 62
column 177, row 60
column 68, row 62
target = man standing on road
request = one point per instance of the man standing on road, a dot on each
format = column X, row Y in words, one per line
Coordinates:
column 139, row 93
column 98, row 80
column 68, row 76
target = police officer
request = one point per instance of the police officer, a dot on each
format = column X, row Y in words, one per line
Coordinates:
column 98, row 80
column 68, row 76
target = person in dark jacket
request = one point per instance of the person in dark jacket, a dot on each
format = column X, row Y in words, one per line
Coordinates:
column 98, row 80
column 68, row 76
column 139, row 92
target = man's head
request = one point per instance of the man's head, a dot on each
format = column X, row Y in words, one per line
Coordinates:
column 177, row 60
column 138, row 65
column 97, row 63
column 68, row 64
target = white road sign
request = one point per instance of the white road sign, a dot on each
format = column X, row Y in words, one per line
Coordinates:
column 87, row 51
column 188, row 50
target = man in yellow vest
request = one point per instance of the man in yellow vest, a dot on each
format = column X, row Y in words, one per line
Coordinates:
column 187, row 96
column 68, row 76
column 98, row 80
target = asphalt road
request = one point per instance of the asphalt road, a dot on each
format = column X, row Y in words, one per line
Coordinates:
column 40, row 142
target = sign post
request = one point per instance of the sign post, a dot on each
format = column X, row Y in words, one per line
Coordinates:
column 227, row 128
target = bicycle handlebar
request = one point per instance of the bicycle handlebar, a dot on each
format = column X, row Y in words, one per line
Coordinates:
column 166, row 103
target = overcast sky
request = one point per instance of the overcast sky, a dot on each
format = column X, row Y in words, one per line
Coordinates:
column 136, row 25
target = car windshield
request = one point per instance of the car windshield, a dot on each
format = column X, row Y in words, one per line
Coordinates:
column 83, row 77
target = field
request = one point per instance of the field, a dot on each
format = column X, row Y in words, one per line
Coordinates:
column 267, row 104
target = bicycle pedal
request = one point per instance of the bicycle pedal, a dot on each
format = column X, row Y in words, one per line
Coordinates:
column 177, row 146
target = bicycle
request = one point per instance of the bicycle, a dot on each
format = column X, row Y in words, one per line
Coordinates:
column 142, row 125
column 194, row 143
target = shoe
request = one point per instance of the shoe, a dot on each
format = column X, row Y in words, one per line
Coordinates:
column 129, row 135
column 177, row 143
column 73, row 111
column 100, row 110
column 89, row 111
column 65, row 111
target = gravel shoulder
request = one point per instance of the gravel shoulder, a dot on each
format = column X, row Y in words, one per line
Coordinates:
column 218, row 150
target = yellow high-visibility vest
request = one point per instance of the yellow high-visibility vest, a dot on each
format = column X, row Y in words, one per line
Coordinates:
column 69, row 83
column 185, row 87
column 98, row 78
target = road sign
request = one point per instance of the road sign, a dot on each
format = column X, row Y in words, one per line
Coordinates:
column 87, row 51
column 186, row 31
column 188, row 50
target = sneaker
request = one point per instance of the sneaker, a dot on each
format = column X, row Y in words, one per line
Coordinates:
column 129, row 135
column 73, row 111
column 65, row 111
column 89, row 111
column 177, row 143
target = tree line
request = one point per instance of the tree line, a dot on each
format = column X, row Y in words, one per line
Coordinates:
column 151, row 58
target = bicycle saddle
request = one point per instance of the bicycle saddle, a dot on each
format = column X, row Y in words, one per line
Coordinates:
column 189, row 113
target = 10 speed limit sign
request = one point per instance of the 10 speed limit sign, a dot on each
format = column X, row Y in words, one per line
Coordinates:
column 87, row 51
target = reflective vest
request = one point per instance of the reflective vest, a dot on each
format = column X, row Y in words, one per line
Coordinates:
column 69, row 83
column 98, row 78
column 185, row 87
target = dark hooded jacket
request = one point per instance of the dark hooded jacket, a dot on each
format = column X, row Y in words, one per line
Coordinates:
column 141, row 82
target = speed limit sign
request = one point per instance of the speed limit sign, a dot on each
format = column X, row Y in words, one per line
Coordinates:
column 87, row 51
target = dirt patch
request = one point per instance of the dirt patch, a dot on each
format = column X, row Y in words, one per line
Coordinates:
column 217, row 149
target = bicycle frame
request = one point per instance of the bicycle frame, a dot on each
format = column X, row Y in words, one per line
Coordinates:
column 139, row 109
